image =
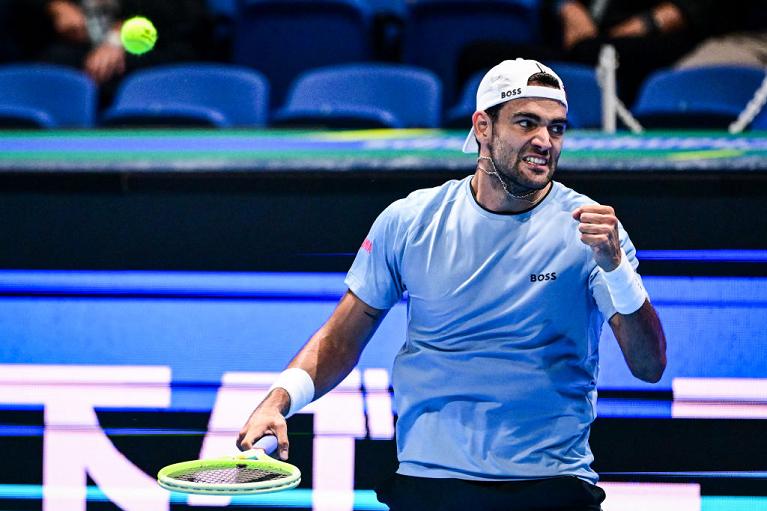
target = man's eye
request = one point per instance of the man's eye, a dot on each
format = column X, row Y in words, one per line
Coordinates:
column 558, row 129
column 526, row 123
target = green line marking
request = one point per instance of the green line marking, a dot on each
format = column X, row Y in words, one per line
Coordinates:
column 707, row 155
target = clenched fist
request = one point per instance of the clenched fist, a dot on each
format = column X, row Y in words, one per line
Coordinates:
column 599, row 230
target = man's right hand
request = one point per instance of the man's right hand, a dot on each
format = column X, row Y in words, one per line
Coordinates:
column 268, row 419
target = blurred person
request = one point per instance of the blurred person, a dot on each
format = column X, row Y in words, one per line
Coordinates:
column 740, row 39
column 86, row 34
column 647, row 35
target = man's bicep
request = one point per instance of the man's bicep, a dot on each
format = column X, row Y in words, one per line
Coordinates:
column 355, row 320
column 335, row 348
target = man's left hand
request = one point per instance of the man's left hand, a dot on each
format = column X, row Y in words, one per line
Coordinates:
column 599, row 230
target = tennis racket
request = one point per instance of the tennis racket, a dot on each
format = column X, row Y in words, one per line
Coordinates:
column 249, row 472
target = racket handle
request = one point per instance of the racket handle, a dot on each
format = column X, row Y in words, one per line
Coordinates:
column 268, row 443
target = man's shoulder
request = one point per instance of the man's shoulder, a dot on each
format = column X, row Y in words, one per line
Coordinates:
column 568, row 198
column 423, row 202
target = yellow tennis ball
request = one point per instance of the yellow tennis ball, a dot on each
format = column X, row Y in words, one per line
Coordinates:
column 138, row 35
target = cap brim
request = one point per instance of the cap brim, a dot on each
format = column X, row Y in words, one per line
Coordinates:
column 470, row 144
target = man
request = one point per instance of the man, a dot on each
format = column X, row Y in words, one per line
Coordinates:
column 510, row 276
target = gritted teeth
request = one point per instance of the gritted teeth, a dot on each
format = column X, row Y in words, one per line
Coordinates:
column 537, row 160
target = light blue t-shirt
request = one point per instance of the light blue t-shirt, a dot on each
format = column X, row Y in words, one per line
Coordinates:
column 496, row 379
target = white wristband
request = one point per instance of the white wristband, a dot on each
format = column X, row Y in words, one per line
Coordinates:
column 113, row 38
column 299, row 386
column 625, row 287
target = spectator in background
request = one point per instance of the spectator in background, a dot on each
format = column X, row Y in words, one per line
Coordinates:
column 647, row 34
column 85, row 34
column 739, row 38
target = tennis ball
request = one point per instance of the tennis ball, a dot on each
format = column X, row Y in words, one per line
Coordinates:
column 138, row 35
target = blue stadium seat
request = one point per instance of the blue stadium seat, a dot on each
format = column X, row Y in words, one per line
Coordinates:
column 697, row 98
column 395, row 6
column 387, row 29
column 223, row 8
column 219, row 95
column 46, row 96
column 584, row 97
column 282, row 38
column 760, row 121
column 364, row 96
column 222, row 14
column 438, row 30
column 459, row 116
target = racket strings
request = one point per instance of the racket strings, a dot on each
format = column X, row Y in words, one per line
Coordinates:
column 228, row 475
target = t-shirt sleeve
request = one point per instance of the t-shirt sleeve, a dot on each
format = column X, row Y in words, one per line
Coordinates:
column 374, row 276
column 597, row 283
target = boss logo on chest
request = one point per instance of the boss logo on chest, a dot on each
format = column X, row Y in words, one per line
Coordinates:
column 542, row 277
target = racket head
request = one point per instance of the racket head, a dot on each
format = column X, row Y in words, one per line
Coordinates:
column 249, row 473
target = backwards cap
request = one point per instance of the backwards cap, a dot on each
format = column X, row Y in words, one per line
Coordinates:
column 507, row 81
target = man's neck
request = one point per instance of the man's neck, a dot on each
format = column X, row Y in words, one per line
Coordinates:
column 490, row 194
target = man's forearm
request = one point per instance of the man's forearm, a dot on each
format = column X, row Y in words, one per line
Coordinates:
column 327, row 360
column 333, row 351
column 642, row 341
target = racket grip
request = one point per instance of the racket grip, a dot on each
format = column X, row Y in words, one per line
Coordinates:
column 268, row 443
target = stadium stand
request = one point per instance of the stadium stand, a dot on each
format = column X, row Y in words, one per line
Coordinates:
column 364, row 95
column 436, row 32
column 45, row 96
column 705, row 97
column 220, row 95
column 282, row 38
column 583, row 97
column 583, row 94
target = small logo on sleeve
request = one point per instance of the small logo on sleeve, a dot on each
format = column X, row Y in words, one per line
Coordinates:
column 367, row 246
column 541, row 277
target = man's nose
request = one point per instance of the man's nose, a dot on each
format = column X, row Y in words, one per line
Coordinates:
column 542, row 139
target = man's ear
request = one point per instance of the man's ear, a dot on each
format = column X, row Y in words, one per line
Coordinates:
column 483, row 128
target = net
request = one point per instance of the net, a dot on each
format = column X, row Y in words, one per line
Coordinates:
column 228, row 475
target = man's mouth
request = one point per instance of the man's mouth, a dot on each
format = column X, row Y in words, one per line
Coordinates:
column 536, row 161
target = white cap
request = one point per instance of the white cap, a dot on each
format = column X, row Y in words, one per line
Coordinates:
column 507, row 81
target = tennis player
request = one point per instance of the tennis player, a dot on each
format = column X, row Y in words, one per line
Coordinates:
column 510, row 276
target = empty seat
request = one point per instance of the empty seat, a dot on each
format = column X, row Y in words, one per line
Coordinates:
column 219, row 95
column 438, row 30
column 704, row 97
column 282, row 38
column 364, row 96
column 584, row 97
column 46, row 96
column 459, row 116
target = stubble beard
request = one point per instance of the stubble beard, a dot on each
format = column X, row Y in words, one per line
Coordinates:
column 513, row 180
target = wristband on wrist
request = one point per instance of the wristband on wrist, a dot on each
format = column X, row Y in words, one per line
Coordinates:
column 113, row 38
column 625, row 287
column 299, row 386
